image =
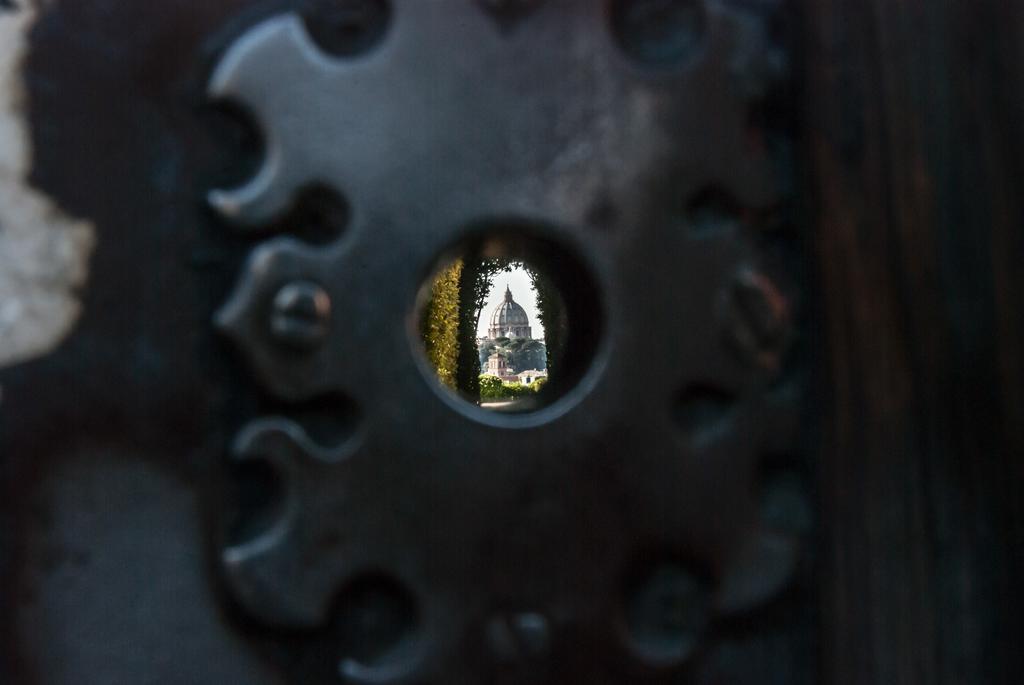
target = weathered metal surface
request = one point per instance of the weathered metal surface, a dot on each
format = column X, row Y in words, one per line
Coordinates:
column 422, row 150
column 366, row 528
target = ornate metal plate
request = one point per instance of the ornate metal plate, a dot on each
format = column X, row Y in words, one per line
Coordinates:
column 366, row 528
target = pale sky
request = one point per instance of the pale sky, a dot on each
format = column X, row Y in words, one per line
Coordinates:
column 522, row 293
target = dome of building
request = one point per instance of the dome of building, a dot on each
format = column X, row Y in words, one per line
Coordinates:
column 509, row 320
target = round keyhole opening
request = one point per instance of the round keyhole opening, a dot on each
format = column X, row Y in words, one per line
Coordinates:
column 509, row 320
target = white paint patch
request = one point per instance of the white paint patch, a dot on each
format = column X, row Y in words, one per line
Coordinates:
column 44, row 254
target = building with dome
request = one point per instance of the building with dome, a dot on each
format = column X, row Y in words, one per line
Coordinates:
column 509, row 320
column 509, row 344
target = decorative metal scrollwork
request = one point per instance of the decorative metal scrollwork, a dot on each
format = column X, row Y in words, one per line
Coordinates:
column 609, row 536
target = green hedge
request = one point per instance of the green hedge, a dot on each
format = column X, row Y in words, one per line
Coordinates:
column 493, row 388
column 441, row 324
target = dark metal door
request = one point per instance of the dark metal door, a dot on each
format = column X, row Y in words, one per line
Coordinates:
column 227, row 457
